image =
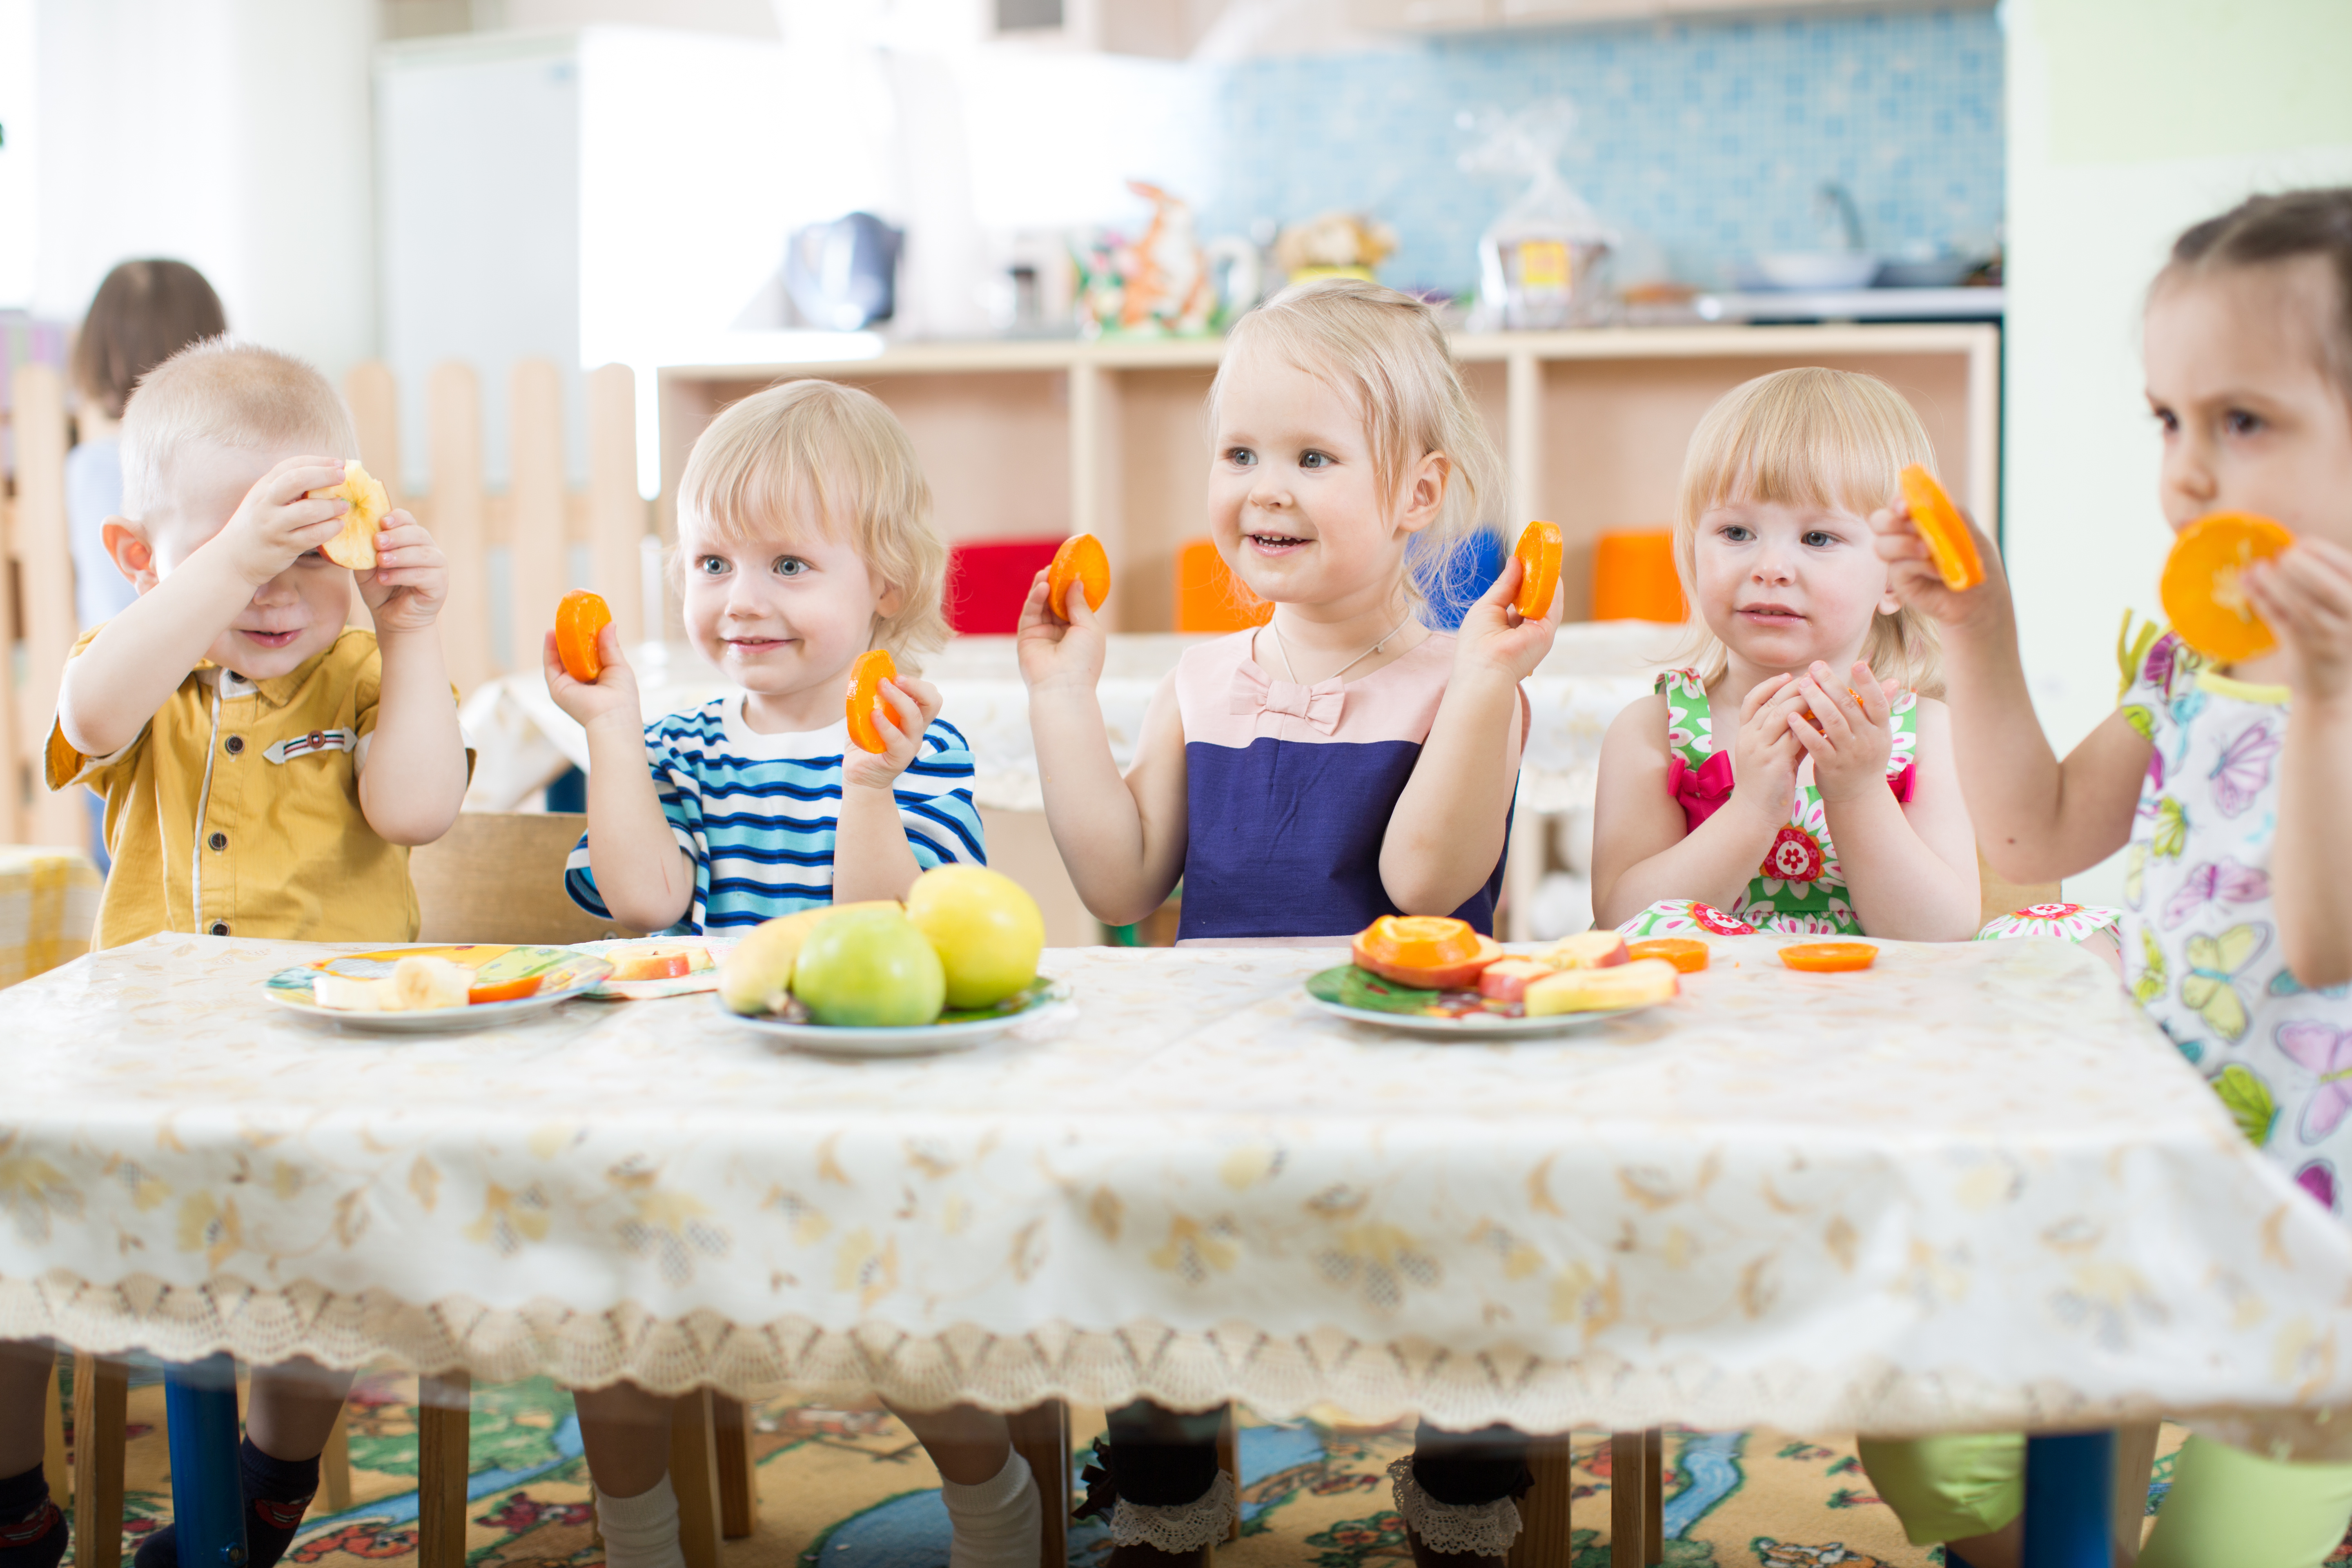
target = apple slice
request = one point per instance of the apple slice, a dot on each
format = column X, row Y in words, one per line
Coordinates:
column 1508, row 979
column 1585, row 950
column 1634, row 984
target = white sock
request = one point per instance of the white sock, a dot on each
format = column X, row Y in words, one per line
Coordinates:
column 641, row 1531
column 997, row 1522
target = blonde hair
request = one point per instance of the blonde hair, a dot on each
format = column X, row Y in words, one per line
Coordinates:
column 224, row 393
column 1809, row 436
column 817, row 450
column 1386, row 351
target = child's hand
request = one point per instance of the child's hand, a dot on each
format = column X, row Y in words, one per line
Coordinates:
column 1911, row 571
column 613, row 697
column 1055, row 652
column 275, row 523
column 2305, row 595
column 411, row 579
column 1850, row 736
column 909, row 706
column 1493, row 635
column 1764, row 754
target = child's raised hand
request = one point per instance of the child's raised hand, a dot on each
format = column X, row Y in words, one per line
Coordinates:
column 2305, row 595
column 611, row 698
column 276, row 523
column 909, row 706
column 411, row 579
column 1493, row 634
column 1764, row 754
column 1911, row 571
column 1851, row 735
column 1055, row 652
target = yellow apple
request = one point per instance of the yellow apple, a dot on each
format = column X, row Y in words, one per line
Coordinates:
column 986, row 928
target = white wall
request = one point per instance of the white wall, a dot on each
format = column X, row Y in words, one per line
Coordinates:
column 2128, row 119
column 232, row 134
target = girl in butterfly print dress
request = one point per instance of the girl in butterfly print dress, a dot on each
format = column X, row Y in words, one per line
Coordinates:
column 1776, row 558
column 2225, row 788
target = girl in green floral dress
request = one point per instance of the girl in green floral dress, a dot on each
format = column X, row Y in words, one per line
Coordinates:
column 1831, row 804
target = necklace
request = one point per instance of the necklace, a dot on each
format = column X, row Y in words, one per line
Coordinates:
column 1292, row 670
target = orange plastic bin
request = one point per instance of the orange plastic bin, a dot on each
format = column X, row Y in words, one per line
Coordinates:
column 1633, row 577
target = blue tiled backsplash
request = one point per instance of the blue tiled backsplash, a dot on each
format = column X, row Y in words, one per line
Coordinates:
column 1708, row 138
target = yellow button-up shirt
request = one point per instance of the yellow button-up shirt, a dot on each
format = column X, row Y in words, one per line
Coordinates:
column 236, row 810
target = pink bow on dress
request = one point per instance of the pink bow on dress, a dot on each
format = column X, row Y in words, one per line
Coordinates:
column 1319, row 705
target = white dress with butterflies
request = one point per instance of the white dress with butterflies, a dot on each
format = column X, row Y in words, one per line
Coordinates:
column 2201, row 939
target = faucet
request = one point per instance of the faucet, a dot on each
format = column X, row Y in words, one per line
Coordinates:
column 1834, row 203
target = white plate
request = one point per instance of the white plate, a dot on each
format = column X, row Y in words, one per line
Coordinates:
column 430, row 1020
column 568, row 974
column 917, row 1040
column 611, row 990
column 1486, row 1028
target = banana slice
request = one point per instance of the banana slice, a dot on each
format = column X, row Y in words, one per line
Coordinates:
column 418, row 982
column 355, row 546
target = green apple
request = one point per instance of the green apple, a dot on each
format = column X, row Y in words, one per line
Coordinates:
column 757, row 973
column 986, row 928
column 869, row 969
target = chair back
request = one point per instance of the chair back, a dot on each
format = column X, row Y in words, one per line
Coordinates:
column 498, row 876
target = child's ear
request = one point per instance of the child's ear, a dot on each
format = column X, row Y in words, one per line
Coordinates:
column 1424, row 494
column 1889, row 602
column 890, row 602
column 133, row 556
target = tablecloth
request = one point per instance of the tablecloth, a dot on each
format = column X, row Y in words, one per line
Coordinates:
column 1972, row 1187
column 523, row 741
column 48, row 907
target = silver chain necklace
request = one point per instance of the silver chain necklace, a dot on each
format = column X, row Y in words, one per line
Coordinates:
column 1292, row 670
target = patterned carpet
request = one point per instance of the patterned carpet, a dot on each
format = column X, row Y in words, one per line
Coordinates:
column 851, row 1489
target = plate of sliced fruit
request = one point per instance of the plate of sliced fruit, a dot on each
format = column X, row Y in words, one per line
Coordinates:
column 1428, row 974
column 647, row 968
column 420, row 990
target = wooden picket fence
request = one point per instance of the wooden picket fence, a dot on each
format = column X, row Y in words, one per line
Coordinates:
column 536, row 521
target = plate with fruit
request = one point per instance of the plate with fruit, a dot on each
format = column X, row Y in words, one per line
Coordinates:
column 1427, row 974
column 421, row 990
column 952, row 966
column 647, row 968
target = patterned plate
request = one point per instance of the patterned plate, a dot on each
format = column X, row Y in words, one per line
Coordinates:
column 1362, row 997
column 954, row 1031
column 564, row 973
column 611, row 990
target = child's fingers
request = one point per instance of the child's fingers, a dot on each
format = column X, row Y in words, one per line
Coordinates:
column 1874, row 704
column 927, row 701
column 608, row 650
column 298, row 476
column 1758, row 694
column 1081, row 613
column 900, row 712
column 551, row 662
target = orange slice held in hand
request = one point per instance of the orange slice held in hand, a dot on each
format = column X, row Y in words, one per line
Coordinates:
column 355, row 546
column 1081, row 561
column 1829, row 957
column 580, row 617
column 1538, row 547
column 866, row 678
column 2203, row 587
column 1947, row 533
column 1688, row 954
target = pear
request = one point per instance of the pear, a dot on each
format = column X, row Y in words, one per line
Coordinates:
column 756, row 975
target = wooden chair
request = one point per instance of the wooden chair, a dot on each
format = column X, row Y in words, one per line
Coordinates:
column 498, row 876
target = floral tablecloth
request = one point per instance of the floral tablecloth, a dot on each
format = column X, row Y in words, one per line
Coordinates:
column 1969, row 1188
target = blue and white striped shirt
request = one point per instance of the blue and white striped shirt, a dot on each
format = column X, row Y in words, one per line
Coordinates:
column 758, row 812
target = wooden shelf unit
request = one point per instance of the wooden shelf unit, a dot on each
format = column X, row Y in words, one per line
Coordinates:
column 1108, row 437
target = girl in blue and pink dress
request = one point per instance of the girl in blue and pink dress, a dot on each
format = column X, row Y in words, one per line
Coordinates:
column 1342, row 762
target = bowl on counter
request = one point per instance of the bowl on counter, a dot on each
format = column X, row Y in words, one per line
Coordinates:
column 1812, row 272
column 1927, row 272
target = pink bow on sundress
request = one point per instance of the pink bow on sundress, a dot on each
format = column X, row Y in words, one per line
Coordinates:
column 1701, row 790
column 1319, row 705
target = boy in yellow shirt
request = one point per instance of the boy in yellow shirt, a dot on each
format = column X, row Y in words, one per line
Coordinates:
column 265, row 769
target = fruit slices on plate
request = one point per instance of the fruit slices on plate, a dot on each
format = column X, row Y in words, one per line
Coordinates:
column 1436, row 967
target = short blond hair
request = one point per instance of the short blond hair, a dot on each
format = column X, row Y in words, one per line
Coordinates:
column 817, row 451
column 1386, row 351
column 1809, row 437
column 224, row 393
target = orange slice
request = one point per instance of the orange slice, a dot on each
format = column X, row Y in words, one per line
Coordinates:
column 1688, row 954
column 1432, row 951
column 355, row 546
column 1947, row 533
column 505, row 990
column 580, row 617
column 1080, row 560
column 1538, row 546
column 1829, row 957
column 866, row 678
column 2203, row 596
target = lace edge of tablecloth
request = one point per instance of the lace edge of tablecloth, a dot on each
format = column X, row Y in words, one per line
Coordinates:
column 1328, row 1373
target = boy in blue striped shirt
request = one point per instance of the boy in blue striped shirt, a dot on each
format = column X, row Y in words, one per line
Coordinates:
column 804, row 539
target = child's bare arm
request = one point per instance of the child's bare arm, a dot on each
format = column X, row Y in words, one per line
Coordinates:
column 1448, row 827
column 1643, row 848
column 1121, row 837
column 416, row 777
column 646, row 880
column 1910, row 870
column 2306, row 597
column 2037, row 818
column 871, row 857
column 118, row 682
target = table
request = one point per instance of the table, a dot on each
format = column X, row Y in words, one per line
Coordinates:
column 1972, row 1189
